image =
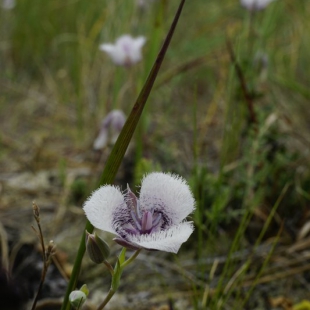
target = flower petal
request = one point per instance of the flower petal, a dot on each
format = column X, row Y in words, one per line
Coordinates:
column 115, row 52
column 101, row 205
column 108, row 48
column 168, row 240
column 255, row 4
column 101, row 140
column 170, row 191
column 124, row 40
column 139, row 42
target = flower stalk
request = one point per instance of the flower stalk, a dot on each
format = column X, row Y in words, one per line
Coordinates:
column 117, row 273
column 47, row 253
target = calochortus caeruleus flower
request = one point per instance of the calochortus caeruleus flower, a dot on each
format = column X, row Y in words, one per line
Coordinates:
column 154, row 221
column 255, row 5
column 126, row 51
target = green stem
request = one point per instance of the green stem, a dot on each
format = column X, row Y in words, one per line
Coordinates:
column 112, row 291
column 108, row 265
column 131, row 259
column 77, row 266
column 107, row 299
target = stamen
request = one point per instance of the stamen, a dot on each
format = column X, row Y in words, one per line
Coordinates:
column 156, row 219
column 147, row 219
column 138, row 210
column 133, row 202
column 135, row 219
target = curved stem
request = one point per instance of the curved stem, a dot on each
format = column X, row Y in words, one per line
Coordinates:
column 112, row 291
column 108, row 265
column 107, row 299
column 130, row 259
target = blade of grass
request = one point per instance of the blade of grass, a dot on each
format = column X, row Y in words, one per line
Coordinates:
column 119, row 149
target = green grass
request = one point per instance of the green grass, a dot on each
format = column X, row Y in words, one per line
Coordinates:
column 251, row 179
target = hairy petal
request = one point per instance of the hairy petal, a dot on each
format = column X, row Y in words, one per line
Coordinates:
column 169, row 191
column 168, row 240
column 101, row 205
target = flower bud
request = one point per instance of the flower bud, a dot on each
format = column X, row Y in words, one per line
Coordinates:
column 77, row 298
column 84, row 289
column 97, row 249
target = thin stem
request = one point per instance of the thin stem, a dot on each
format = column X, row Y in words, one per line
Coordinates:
column 108, row 265
column 112, row 291
column 107, row 299
column 131, row 259
column 34, row 304
column 77, row 266
column 42, row 242
column 46, row 254
column 36, row 214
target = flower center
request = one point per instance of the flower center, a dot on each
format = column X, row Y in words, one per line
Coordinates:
column 145, row 222
column 126, row 48
column 139, row 221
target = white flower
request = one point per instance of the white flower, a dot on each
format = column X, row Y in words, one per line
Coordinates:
column 144, row 3
column 8, row 4
column 126, row 51
column 155, row 221
column 111, row 126
column 255, row 5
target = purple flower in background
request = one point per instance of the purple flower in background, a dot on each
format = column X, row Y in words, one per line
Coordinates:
column 126, row 51
column 110, row 128
column 155, row 221
column 255, row 5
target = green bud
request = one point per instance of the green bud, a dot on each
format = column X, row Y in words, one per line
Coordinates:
column 97, row 249
column 84, row 289
column 77, row 298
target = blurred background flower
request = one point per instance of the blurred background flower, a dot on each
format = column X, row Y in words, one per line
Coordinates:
column 8, row 4
column 110, row 128
column 126, row 51
column 255, row 5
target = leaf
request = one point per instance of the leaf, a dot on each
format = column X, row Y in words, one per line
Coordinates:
column 122, row 256
column 117, row 276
